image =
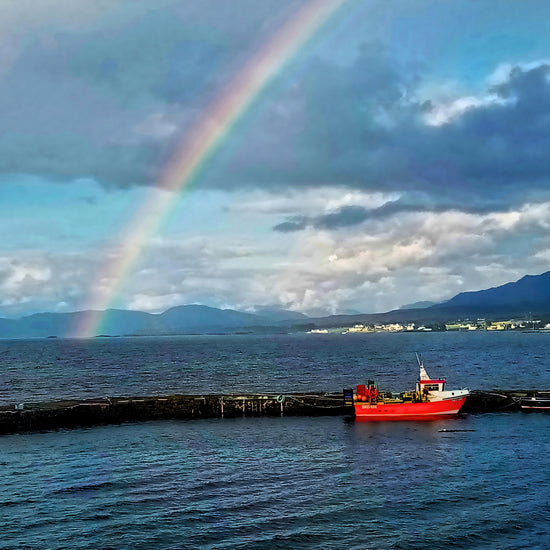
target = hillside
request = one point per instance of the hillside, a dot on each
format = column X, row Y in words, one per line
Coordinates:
column 187, row 319
column 531, row 294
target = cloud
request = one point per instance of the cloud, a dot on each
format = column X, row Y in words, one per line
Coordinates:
column 439, row 114
column 295, row 224
column 364, row 128
column 106, row 91
column 108, row 94
column 310, row 200
column 42, row 282
column 352, row 215
column 426, row 254
column 346, row 216
column 423, row 255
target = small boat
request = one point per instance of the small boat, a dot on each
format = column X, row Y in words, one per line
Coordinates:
column 429, row 401
column 541, row 402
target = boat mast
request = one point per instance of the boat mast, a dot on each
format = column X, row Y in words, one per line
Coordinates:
column 423, row 374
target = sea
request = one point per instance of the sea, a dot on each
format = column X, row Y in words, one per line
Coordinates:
column 478, row 481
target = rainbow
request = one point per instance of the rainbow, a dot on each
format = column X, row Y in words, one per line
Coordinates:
column 194, row 151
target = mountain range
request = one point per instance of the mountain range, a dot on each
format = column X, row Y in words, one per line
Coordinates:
column 187, row 319
column 528, row 296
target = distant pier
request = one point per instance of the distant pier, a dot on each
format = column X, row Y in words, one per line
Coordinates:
column 32, row 417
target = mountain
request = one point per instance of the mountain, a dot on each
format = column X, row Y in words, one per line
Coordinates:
column 177, row 320
column 195, row 318
column 41, row 325
column 419, row 305
column 277, row 315
column 529, row 295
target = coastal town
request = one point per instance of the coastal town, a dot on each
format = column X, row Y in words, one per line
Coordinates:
column 462, row 326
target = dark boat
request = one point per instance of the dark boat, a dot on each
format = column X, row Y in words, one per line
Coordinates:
column 541, row 402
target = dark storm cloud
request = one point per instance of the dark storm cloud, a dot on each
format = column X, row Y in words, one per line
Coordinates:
column 107, row 91
column 344, row 217
column 295, row 224
column 109, row 97
column 349, row 216
column 491, row 148
column 345, row 128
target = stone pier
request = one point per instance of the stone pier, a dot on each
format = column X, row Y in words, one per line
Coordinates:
column 30, row 416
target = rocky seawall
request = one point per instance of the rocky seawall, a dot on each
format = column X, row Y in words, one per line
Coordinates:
column 29, row 416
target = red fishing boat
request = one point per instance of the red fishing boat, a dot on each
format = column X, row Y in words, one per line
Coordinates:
column 429, row 401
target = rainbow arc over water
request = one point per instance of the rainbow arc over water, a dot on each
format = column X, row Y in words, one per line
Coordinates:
column 194, row 151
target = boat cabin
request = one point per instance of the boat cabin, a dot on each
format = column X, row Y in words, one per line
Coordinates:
column 423, row 387
column 425, row 384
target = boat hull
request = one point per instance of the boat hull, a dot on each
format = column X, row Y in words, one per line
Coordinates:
column 534, row 404
column 408, row 411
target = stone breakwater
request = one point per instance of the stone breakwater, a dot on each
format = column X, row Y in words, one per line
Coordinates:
column 28, row 416
column 496, row 400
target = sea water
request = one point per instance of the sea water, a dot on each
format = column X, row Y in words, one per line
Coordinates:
column 480, row 481
column 48, row 369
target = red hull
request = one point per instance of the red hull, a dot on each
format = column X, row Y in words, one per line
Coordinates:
column 408, row 411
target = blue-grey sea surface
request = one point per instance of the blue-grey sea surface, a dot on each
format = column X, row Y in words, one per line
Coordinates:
column 479, row 481
column 49, row 369
column 280, row 483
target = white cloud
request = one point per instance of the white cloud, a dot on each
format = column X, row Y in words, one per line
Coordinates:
column 543, row 255
column 444, row 108
column 378, row 266
column 428, row 255
column 441, row 113
column 154, row 304
column 308, row 201
column 22, row 274
column 501, row 74
column 41, row 281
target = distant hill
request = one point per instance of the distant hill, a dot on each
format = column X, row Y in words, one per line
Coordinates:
column 419, row 305
column 529, row 295
column 276, row 315
column 65, row 324
column 196, row 318
column 188, row 319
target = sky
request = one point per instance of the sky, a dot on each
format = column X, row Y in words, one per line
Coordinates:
column 387, row 153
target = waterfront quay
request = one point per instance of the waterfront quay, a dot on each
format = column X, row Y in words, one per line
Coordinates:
column 32, row 417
